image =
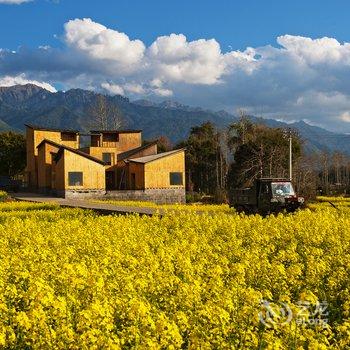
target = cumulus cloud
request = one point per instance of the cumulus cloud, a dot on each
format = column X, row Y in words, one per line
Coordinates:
column 345, row 117
column 317, row 51
column 102, row 45
column 113, row 89
column 198, row 62
column 21, row 80
column 13, row 2
column 297, row 78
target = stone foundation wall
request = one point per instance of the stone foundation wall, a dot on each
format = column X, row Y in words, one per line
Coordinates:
column 159, row 196
column 81, row 194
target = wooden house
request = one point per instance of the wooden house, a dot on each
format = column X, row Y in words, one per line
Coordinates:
column 115, row 164
column 62, row 168
column 158, row 171
column 76, row 172
column 34, row 136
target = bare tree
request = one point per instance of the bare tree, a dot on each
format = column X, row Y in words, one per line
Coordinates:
column 105, row 115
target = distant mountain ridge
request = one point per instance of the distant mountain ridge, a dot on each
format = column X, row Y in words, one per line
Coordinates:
column 30, row 104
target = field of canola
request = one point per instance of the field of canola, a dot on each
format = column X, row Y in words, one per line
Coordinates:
column 198, row 207
column 70, row 279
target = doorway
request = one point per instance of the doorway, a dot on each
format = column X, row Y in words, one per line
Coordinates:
column 110, row 180
column 132, row 181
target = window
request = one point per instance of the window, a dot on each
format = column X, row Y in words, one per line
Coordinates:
column 68, row 136
column 282, row 189
column 95, row 140
column 75, row 178
column 110, row 137
column 107, row 158
column 176, row 179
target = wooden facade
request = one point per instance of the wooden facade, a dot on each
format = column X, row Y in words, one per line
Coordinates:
column 115, row 160
column 45, row 160
column 155, row 172
column 120, row 141
column 120, row 169
column 68, row 162
column 34, row 136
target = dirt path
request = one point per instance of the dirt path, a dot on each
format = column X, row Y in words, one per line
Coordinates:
column 85, row 204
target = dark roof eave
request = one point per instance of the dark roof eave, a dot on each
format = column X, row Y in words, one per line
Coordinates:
column 98, row 132
column 53, row 143
column 36, row 127
column 161, row 155
column 73, row 150
column 126, row 154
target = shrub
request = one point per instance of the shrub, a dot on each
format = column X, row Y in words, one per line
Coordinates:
column 3, row 196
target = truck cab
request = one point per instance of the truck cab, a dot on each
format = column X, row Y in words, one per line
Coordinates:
column 267, row 195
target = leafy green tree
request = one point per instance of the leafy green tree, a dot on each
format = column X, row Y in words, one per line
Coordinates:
column 259, row 151
column 164, row 144
column 205, row 162
column 12, row 154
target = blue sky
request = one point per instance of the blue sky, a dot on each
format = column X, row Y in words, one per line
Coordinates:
column 283, row 59
column 232, row 23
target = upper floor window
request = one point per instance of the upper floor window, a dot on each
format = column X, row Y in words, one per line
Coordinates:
column 110, row 137
column 95, row 140
column 68, row 136
column 176, row 179
column 107, row 158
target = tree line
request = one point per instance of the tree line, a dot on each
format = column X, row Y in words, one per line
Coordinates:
column 220, row 160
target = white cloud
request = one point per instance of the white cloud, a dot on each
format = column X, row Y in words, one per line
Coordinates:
column 197, row 62
column 21, row 80
column 113, row 89
column 14, row 2
column 100, row 44
column 345, row 117
column 316, row 51
column 299, row 78
column 134, row 88
column 163, row 92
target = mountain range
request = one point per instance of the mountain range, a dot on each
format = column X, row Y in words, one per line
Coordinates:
column 30, row 104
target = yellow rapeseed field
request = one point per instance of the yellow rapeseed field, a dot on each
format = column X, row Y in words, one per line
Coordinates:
column 170, row 207
column 70, row 279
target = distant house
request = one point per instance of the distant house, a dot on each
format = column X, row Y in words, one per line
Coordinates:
column 114, row 165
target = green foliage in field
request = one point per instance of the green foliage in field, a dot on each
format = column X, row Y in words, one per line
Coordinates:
column 3, row 196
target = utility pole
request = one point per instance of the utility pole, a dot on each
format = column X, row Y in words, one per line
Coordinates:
column 288, row 134
column 290, row 156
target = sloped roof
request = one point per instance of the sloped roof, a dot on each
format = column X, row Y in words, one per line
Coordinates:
column 126, row 131
column 53, row 143
column 127, row 154
column 36, row 127
column 44, row 128
column 70, row 149
column 154, row 157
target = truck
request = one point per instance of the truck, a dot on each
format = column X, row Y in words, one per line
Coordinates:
column 266, row 196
